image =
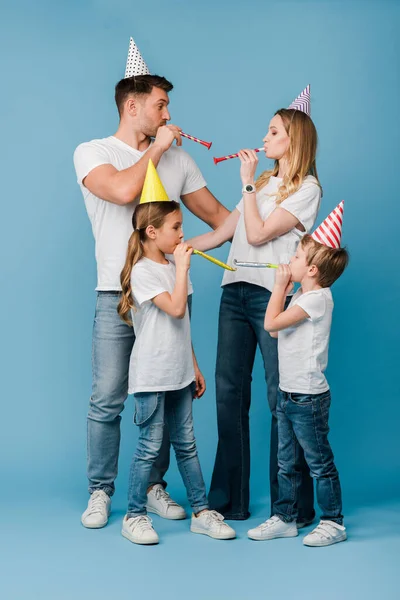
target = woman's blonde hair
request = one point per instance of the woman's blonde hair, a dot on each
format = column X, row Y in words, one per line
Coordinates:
column 300, row 155
column 151, row 213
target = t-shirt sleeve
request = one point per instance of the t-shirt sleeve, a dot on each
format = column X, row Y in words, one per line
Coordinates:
column 87, row 157
column 194, row 180
column 313, row 304
column 304, row 204
column 146, row 285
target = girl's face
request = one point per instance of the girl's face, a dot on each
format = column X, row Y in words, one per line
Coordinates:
column 276, row 142
column 170, row 233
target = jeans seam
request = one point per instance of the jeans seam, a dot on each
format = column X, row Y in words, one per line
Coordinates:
column 333, row 497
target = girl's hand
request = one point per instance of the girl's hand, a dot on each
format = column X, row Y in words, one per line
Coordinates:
column 283, row 278
column 182, row 255
column 200, row 383
column 249, row 161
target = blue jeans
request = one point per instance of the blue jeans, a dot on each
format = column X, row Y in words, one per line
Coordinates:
column 303, row 424
column 241, row 329
column 112, row 345
column 151, row 409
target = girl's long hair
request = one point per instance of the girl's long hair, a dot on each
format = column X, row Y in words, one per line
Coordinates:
column 300, row 156
column 151, row 213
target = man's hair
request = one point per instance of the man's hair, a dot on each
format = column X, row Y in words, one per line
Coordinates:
column 331, row 262
column 139, row 85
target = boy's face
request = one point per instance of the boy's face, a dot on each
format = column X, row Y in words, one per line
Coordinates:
column 170, row 233
column 298, row 265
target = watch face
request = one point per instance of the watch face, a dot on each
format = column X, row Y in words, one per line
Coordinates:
column 249, row 188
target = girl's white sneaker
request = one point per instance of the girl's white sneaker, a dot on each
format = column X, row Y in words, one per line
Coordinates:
column 326, row 533
column 98, row 510
column 273, row 528
column 139, row 530
column 211, row 523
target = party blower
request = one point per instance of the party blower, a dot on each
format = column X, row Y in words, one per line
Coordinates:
column 195, row 139
column 257, row 265
column 222, row 158
column 213, row 260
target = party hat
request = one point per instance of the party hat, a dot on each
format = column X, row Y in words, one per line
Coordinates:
column 153, row 189
column 135, row 64
column 329, row 233
column 303, row 101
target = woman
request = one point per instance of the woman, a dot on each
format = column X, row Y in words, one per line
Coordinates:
column 266, row 226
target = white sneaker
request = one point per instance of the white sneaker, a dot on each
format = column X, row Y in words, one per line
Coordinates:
column 98, row 510
column 161, row 503
column 325, row 534
column 273, row 528
column 139, row 530
column 210, row 522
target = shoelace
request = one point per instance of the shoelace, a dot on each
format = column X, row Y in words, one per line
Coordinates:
column 162, row 494
column 215, row 518
column 325, row 530
column 143, row 522
column 97, row 503
column 269, row 522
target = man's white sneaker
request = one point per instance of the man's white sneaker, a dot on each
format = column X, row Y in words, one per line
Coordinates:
column 98, row 510
column 273, row 528
column 210, row 522
column 139, row 530
column 325, row 534
column 161, row 503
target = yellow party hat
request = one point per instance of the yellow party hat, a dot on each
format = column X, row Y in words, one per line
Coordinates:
column 153, row 189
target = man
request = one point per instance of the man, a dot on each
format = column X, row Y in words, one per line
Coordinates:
column 111, row 174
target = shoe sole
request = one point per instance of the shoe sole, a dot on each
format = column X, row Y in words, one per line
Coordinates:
column 141, row 543
column 342, row 538
column 274, row 536
column 99, row 526
column 215, row 537
column 160, row 514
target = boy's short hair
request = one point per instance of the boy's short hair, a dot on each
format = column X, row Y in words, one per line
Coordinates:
column 139, row 85
column 331, row 262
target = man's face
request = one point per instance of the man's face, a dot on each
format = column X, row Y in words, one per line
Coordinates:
column 152, row 111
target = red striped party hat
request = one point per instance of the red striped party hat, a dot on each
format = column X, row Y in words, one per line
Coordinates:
column 329, row 233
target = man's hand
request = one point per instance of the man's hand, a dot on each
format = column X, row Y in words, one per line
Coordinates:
column 200, row 383
column 165, row 136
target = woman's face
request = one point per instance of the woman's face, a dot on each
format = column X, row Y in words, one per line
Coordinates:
column 276, row 142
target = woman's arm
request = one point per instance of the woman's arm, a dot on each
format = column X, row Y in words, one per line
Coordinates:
column 214, row 239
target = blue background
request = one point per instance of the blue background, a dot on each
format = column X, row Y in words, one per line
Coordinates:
column 232, row 64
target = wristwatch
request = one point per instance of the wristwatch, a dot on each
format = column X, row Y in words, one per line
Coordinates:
column 249, row 188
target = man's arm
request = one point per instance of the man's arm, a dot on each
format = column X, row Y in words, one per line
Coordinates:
column 204, row 205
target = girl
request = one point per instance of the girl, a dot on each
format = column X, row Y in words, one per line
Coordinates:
column 162, row 366
column 266, row 226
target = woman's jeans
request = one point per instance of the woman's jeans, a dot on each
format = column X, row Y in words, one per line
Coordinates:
column 112, row 345
column 151, row 408
column 303, row 425
column 241, row 329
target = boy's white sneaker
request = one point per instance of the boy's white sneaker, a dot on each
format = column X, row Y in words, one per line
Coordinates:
column 161, row 503
column 139, row 530
column 98, row 510
column 210, row 522
column 326, row 533
column 273, row 528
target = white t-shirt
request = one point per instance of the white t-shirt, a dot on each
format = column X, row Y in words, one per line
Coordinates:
column 303, row 348
column 111, row 223
column 303, row 204
column 161, row 358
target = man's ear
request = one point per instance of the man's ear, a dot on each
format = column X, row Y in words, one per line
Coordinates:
column 131, row 106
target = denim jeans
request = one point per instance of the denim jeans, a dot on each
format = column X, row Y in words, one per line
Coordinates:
column 112, row 345
column 151, row 410
column 303, row 424
column 241, row 329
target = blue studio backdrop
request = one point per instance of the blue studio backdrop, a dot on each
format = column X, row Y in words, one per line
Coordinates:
column 232, row 65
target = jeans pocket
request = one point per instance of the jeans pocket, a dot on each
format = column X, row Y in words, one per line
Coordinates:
column 302, row 399
column 145, row 406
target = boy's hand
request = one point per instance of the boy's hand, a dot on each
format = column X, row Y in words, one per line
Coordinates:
column 283, row 278
column 182, row 255
column 200, row 383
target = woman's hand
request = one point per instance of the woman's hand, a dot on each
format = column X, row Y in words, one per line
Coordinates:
column 182, row 255
column 249, row 161
column 200, row 383
column 283, row 278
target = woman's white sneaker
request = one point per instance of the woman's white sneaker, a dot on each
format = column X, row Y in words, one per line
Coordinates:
column 98, row 510
column 161, row 503
column 139, row 530
column 211, row 523
column 273, row 528
column 326, row 533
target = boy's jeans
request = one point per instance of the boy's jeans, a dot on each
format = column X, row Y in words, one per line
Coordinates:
column 303, row 423
column 150, row 410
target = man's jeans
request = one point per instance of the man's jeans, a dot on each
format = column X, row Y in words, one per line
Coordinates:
column 241, row 328
column 151, row 408
column 303, row 424
column 112, row 345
